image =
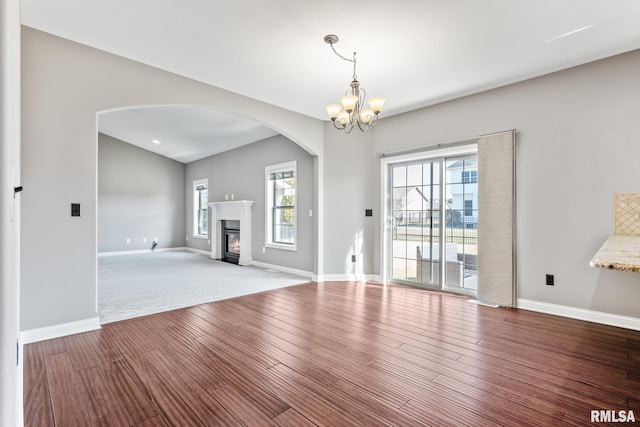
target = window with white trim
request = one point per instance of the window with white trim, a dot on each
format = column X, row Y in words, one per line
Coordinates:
column 281, row 230
column 200, row 208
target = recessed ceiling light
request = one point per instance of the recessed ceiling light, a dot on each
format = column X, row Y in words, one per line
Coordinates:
column 155, row 141
column 568, row 34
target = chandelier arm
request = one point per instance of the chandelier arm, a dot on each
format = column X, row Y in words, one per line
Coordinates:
column 362, row 96
column 346, row 127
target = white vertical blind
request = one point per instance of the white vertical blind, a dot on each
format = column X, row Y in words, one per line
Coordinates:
column 496, row 219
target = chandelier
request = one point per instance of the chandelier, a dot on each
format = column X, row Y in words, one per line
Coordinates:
column 351, row 112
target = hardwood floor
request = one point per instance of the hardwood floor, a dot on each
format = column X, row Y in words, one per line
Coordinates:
column 334, row 354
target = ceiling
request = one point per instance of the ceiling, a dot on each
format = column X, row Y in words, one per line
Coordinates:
column 416, row 53
column 183, row 133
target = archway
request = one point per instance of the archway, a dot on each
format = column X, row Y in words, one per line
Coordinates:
column 147, row 158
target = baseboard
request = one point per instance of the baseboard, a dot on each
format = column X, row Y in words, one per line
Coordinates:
column 610, row 319
column 348, row 278
column 144, row 251
column 197, row 251
column 305, row 274
column 61, row 330
column 297, row 272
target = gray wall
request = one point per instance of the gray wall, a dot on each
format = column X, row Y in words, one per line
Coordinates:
column 64, row 86
column 351, row 187
column 577, row 144
column 140, row 196
column 241, row 172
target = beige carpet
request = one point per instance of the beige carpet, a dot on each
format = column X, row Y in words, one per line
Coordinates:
column 137, row 285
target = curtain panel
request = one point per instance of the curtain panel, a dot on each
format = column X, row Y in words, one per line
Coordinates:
column 496, row 222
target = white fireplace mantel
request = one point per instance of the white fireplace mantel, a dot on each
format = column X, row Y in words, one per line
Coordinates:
column 231, row 210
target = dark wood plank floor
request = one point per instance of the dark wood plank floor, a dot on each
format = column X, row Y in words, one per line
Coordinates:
column 334, row 354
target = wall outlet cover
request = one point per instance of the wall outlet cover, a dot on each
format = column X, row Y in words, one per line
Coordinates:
column 550, row 280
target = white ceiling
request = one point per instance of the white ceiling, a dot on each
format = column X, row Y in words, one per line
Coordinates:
column 184, row 133
column 414, row 52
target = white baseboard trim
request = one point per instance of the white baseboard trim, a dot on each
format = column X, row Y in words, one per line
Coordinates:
column 347, row 278
column 297, row 272
column 305, row 274
column 581, row 314
column 197, row 251
column 144, row 251
column 61, row 330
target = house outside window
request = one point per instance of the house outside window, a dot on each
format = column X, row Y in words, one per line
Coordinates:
column 469, row 177
column 200, row 208
column 281, row 229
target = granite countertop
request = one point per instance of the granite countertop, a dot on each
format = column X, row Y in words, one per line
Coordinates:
column 619, row 252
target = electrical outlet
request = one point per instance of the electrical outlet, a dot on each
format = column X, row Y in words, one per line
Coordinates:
column 353, row 258
column 550, row 280
column 128, row 241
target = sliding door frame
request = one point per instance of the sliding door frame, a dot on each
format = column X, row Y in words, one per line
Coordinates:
column 386, row 162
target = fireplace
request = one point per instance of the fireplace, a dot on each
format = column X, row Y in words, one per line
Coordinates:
column 231, row 243
column 224, row 215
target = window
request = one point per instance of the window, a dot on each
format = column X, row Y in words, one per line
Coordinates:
column 200, row 208
column 468, row 208
column 281, row 205
column 469, row 177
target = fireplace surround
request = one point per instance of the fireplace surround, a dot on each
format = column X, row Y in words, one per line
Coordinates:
column 232, row 210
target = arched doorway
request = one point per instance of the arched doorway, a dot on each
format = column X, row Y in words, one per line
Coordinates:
column 147, row 159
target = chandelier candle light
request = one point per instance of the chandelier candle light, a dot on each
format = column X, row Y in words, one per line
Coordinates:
column 351, row 112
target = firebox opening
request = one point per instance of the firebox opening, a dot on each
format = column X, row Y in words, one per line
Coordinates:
column 231, row 241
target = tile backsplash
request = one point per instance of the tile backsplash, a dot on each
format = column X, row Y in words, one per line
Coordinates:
column 627, row 213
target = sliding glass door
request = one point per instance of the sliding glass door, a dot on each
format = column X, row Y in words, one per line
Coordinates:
column 461, row 224
column 433, row 222
column 415, row 213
